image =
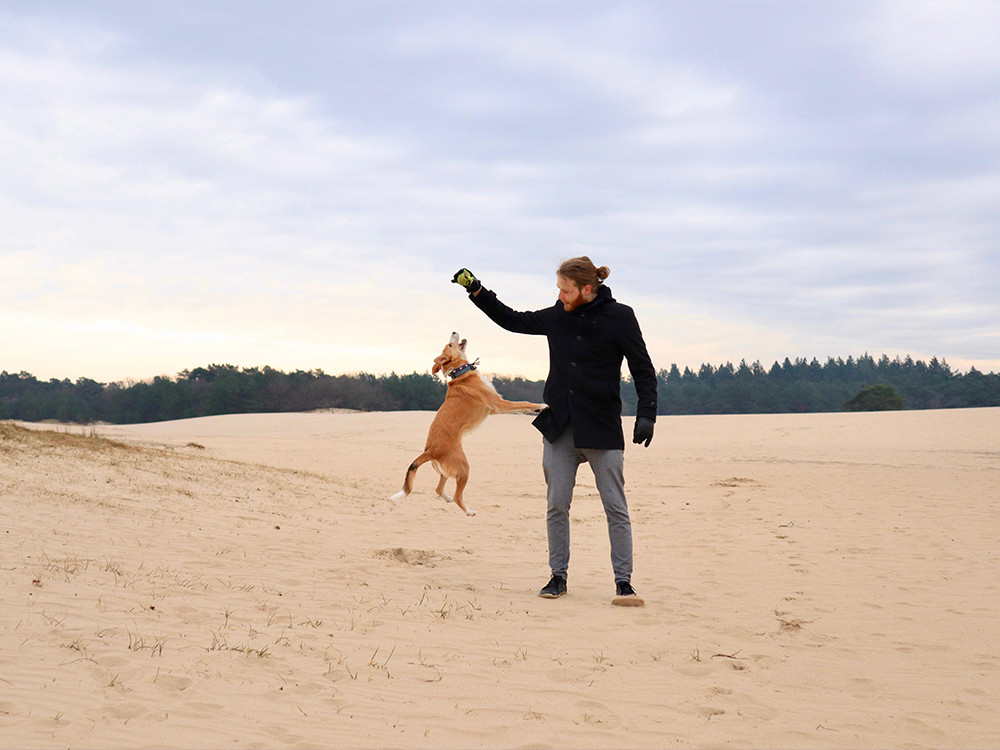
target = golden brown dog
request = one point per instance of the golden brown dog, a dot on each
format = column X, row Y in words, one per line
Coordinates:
column 469, row 400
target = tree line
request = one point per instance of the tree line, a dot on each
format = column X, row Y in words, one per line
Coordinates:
column 790, row 386
column 800, row 385
column 221, row 389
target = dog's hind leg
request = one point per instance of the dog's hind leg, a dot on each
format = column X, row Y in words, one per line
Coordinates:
column 457, row 466
column 462, row 479
column 440, row 489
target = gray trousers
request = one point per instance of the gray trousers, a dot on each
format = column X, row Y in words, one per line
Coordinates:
column 560, row 461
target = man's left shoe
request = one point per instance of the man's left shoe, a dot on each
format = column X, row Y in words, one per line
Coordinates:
column 625, row 595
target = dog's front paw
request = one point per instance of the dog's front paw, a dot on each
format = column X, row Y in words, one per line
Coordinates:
column 538, row 409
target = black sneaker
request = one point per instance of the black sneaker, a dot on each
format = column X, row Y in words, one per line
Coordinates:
column 555, row 588
column 625, row 595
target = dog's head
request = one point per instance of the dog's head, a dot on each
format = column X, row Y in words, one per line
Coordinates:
column 452, row 356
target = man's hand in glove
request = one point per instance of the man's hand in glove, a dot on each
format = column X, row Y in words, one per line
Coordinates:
column 643, row 432
column 464, row 277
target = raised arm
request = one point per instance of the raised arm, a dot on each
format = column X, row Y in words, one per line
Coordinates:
column 534, row 323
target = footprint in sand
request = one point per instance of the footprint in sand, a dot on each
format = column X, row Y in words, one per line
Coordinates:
column 171, row 682
column 410, row 556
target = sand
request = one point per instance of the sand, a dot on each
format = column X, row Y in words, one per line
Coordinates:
column 811, row 581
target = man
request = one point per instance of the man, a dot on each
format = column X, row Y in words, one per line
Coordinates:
column 589, row 334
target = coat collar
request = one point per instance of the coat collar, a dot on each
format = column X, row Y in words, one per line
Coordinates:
column 603, row 296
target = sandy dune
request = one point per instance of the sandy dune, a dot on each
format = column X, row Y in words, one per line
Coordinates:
column 812, row 581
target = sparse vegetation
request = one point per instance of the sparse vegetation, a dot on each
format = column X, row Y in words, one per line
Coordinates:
column 13, row 434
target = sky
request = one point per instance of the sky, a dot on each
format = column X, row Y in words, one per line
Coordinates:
column 293, row 184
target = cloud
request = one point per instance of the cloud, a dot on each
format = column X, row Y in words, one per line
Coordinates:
column 934, row 44
column 294, row 186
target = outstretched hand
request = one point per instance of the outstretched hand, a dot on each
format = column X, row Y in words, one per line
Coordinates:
column 465, row 278
column 643, row 431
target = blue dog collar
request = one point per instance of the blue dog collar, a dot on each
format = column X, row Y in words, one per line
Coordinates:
column 459, row 371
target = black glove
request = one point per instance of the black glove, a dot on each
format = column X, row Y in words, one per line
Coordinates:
column 643, row 431
column 465, row 278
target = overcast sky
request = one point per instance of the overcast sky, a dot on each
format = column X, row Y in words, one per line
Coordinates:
column 293, row 184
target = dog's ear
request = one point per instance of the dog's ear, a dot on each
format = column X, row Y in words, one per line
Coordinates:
column 462, row 345
column 438, row 362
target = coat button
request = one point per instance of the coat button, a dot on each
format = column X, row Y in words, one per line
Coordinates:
column 571, row 393
column 579, row 338
column 572, row 364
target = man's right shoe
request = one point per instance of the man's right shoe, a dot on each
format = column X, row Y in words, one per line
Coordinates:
column 625, row 595
column 555, row 588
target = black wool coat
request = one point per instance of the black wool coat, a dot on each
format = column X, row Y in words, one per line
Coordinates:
column 586, row 349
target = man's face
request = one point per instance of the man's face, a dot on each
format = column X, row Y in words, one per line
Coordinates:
column 571, row 295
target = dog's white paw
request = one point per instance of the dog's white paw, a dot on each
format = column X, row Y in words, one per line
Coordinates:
column 470, row 512
column 401, row 495
column 446, row 497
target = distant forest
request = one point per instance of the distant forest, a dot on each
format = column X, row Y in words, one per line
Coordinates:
column 791, row 386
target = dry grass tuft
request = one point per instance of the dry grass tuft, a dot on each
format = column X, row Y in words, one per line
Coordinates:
column 15, row 436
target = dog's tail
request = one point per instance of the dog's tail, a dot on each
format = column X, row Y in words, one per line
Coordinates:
column 412, row 470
